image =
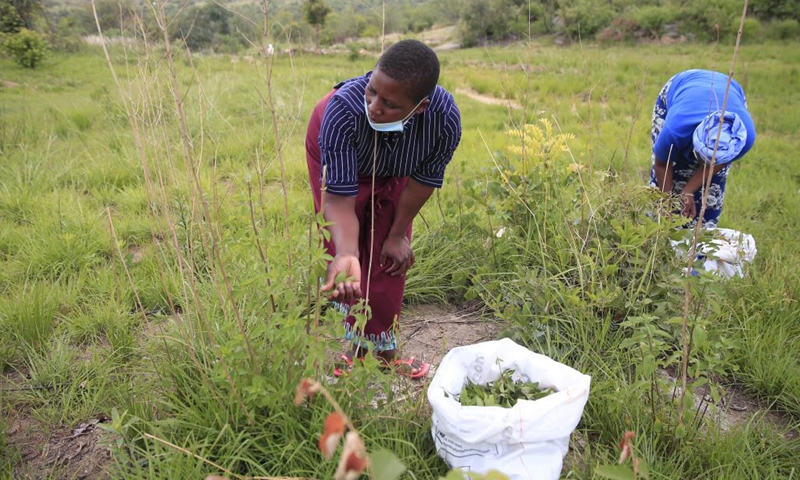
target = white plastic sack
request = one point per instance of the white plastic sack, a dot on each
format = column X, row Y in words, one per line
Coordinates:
column 528, row 441
column 725, row 255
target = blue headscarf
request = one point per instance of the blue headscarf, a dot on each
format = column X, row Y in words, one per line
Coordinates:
column 731, row 140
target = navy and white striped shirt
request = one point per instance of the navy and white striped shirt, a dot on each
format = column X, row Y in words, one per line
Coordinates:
column 422, row 150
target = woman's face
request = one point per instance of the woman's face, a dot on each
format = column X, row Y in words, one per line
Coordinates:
column 389, row 100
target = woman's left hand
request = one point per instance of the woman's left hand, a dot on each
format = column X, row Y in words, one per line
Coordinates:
column 397, row 248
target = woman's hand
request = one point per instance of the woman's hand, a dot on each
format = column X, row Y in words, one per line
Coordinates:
column 689, row 207
column 348, row 289
column 397, row 248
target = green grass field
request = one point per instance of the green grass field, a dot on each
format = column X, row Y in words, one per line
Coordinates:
column 168, row 282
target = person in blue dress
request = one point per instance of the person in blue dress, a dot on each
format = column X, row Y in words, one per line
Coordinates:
column 686, row 123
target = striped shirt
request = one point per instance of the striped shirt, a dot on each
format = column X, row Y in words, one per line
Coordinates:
column 422, row 150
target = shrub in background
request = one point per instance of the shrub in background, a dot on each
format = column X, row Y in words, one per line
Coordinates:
column 26, row 47
column 483, row 21
column 621, row 30
column 584, row 18
column 10, row 21
column 750, row 31
column 653, row 19
column 711, row 19
column 788, row 29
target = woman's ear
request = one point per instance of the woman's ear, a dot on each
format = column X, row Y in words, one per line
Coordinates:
column 422, row 106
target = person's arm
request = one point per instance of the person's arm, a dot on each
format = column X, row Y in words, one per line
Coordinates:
column 397, row 246
column 340, row 211
column 694, row 184
column 663, row 175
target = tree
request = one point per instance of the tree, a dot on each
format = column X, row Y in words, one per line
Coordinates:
column 10, row 21
column 775, row 9
column 491, row 20
column 27, row 47
column 316, row 11
column 207, row 26
column 26, row 10
column 548, row 9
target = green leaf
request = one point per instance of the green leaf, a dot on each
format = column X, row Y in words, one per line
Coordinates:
column 688, row 400
column 675, row 321
column 615, row 472
column 495, row 475
column 648, row 366
column 454, row 475
column 643, row 469
column 700, row 336
column 386, row 465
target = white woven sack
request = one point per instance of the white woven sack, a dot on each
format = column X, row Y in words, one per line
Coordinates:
column 525, row 442
column 725, row 255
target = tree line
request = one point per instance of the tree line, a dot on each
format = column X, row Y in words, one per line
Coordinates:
column 30, row 28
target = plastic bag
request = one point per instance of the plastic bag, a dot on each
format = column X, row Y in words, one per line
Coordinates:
column 725, row 255
column 529, row 440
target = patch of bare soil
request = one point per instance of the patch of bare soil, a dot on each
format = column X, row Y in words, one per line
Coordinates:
column 64, row 453
column 448, row 46
column 136, row 254
column 428, row 332
column 735, row 408
column 41, row 451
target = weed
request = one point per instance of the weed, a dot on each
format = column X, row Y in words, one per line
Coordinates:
column 27, row 317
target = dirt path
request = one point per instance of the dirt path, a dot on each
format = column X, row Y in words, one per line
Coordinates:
column 487, row 99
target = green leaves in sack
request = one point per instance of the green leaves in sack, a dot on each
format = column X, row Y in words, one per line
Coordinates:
column 504, row 392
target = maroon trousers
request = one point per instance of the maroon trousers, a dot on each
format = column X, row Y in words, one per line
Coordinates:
column 385, row 291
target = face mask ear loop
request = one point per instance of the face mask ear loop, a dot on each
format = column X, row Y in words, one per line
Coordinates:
column 411, row 113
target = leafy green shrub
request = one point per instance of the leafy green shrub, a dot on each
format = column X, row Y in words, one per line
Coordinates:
column 788, row 29
column 566, row 249
column 773, row 9
column 353, row 51
column 621, row 30
column 652, row 19
column 488, row 21
column 10, row 21
column 751, row 29
column 711, row 19
column 27, row 48
column 584, row 18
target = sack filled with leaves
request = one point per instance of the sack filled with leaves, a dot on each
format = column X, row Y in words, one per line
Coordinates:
column 530, row 406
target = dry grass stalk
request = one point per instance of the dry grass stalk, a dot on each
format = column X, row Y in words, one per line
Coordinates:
column 270, row 100
column 155, row 187
column 192, row 169
column 708, row 174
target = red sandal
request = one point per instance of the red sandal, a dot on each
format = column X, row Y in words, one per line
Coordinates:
column 411, row 372
column 348, row 365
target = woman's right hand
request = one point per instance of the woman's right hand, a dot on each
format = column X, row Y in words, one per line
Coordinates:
column 346, row 289
column 689, row 207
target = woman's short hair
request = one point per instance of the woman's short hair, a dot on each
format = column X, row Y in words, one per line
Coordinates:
column 413, row 63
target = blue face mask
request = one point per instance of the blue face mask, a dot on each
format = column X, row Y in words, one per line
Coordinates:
column 391, row 126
